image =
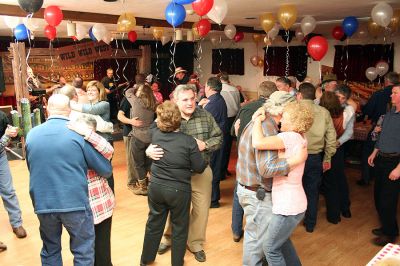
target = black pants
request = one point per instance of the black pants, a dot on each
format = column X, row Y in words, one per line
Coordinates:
column 227, row 146
column 336, row 187
column 102, row 248
column 386, row 194
column 217, row 172
column 162, row 200
column 367, row 172
column 141, row 162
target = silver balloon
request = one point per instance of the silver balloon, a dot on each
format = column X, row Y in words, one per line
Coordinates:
column 308, row 24
column 362, row 33
column 230, row 31
column 382, row 68
column 214, row 40
column 273, row 32
column 382, row 13
column 299, row 35
column 371, row 74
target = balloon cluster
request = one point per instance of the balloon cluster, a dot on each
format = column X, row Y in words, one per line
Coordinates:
column 380, row 69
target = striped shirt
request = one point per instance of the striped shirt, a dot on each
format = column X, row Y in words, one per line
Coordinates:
column 101, row 197
column 257, row 167
column 201, row 125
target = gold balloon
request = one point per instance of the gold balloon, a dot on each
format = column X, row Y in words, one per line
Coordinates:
column 254, row 60
column 257, row 37
column 374, row 29
column 126, row 22
column 394, row 22
column 158, row 32
column 287, row 15
column 267, row 41
column 267, row 21
column 260, row 62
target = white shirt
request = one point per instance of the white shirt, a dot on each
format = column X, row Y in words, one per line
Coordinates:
column 231, row 96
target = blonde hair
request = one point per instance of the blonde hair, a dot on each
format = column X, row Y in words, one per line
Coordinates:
column 168, row 116
column 100, row 87
column 301, row 116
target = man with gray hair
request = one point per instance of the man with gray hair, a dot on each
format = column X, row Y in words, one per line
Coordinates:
column 199, row 124
column 58, row 187
column 254, row 172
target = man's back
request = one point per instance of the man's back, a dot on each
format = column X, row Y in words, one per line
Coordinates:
column 231, row 96
column 58, row 160
column 377, row 105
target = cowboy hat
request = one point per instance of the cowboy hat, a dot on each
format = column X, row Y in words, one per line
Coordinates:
column 179, row 70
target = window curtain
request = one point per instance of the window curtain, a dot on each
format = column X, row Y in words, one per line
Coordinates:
column 228, row 60
column 351, row 61
column 275, row 61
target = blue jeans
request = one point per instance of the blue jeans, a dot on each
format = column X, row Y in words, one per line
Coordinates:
column 7, row 192
column 79, row 225
column 278, row 235
column 311, row 181
column 237, row 215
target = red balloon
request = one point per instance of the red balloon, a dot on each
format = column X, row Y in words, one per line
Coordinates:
column 203, row 27
column 132, row 36
column 317, row 47
column 238, row 36
column 202, row 7
column 338, row 33
column 50, row 32
column 74, row 38
column 53, row 15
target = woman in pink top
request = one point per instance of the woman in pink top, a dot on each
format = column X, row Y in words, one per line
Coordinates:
column 155, row 87
column 289, row 201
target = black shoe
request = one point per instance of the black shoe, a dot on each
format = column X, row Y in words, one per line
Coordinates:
column 236, row 238
column 309, row 229
column 346, row 214
column 383, row 240
column 377, row 232
column 214, row 205
column 200, row 256
column 362, row 183
column 162, row 248
column 333, row 221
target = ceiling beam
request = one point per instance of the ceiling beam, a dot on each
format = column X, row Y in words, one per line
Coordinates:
column 11, row 10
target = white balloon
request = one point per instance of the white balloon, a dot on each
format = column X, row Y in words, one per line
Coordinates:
column 99, row 31
column 107, row 38
column 273, row 32
column 31, row 24
column 371, row 74
column 81, row 31
column 299, row 35
column 218, row 11
column 308, row 24
column 165, row 39
column 382, row 68
column 382, row 13
column 11, row 22
column 230, row 31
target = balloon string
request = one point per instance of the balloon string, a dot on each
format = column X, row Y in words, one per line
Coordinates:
column 28, row 17
column 127, row 61
column 51, row 58
column 220, row 54
column 320, row 74
column 116, row 61
column 347, row 61
column 172, row 66
column 199, row 71
column 157, row 71
column 287, row 54
column 266, row 61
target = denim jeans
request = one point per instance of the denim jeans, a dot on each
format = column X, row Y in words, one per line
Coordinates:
column 79, row 225
column 7, row 192
column 237, row 215
column 278, row 234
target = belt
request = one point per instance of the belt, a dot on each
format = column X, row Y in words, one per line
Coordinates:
column 389, row 155
column 253, row 188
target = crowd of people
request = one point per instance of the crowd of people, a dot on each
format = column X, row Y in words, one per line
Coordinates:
column 291, row 145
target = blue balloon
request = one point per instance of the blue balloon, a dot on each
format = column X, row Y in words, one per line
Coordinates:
column 183, row 2
column 175, row 14
column 21, row 32
column 350, row 25
column 91, row 35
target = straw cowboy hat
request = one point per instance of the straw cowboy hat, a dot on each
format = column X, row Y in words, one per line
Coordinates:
column 179, row 70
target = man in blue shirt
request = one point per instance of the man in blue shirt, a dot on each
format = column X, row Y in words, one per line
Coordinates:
column 58, row 160
column 215, row 104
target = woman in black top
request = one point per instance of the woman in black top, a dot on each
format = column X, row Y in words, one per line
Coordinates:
column 170, row 189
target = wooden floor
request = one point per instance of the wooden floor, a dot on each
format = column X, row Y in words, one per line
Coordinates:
column 347, row 243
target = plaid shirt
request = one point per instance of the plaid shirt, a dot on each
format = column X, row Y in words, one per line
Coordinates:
column 257, row 167
column 201, row 125
column 101, row 197
column 4, row 142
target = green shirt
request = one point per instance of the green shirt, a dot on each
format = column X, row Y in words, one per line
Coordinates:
column 201, row 125
column 321, row 137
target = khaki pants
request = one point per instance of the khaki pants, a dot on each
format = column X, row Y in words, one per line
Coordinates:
column 201, row 199
column 129, row 161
